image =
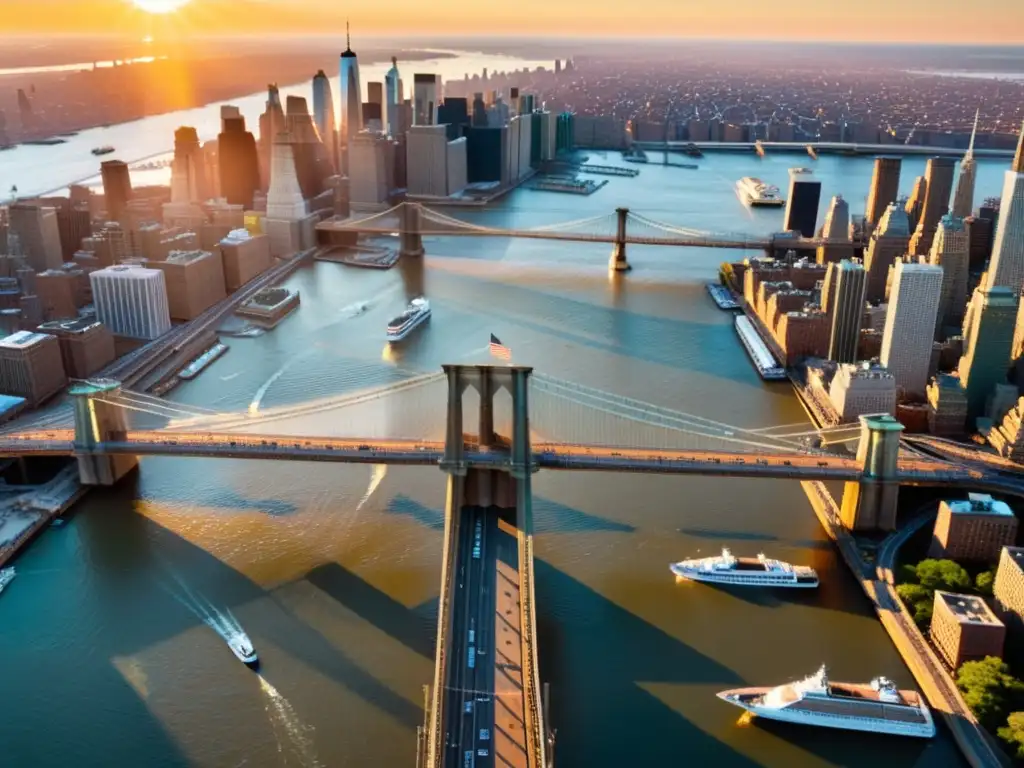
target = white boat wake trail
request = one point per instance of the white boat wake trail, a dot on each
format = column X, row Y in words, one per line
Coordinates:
column 380, row 471
column 294, row 738
column 223, row 622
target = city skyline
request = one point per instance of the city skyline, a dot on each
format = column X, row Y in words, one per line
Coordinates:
column 748, row 20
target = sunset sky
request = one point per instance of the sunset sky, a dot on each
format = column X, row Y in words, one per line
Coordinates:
column 994, row 21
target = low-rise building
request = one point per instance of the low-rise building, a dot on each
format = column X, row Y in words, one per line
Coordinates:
column 964, row 628
column 31, row 366
column 194, row 280
column 86, row 345
column 975, row 529
column 245, row 256
column 862, row 389
column 1008, row 589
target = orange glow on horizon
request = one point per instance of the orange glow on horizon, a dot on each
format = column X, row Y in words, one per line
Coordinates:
column 923, row 21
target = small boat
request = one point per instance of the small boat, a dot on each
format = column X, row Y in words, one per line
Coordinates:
column 6, row 577
column 879, row 707
column 105, row 150
column 745, row 571
column 241, row 646
column 414, row 315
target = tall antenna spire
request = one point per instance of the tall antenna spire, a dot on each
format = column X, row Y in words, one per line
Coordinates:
column 974, row 132
column 348, row 37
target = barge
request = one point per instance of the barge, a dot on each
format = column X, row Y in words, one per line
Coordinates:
column 760, row 355
column 722, row 297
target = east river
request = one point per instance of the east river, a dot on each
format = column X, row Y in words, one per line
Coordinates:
column 104, row 659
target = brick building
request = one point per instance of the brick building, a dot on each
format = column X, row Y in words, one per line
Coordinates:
column 964, row 628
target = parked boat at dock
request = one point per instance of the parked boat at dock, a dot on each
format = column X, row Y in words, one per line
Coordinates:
column 197, row 366
column 6, row 577
column 758, row 351
column 721, row 296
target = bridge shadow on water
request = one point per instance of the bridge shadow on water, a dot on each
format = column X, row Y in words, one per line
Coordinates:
column 726, row 536
column 548, row 517
column 598, row 656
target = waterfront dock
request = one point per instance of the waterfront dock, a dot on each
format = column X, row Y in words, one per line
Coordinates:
column 25, row 514
column 722, row 297
column 569, row 186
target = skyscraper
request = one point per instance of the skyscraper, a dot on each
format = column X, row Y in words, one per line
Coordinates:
column 312, row 159
column 888, row 242
column 836, row 227
column 910, row 325
column 885, row 184
column 239, row 162
column 1007, row 264
column 479, row 111
column 847, row 309
column 950, row 250
column 938, row 175
column 271, row 123
column 323, row 112
column 188, row 173
column 988, row 342
column 392, row 98
column 131, row 301
column 117, row 188
column 915, row 203
column 425, row 95
column 284, row 199
column 351, row 94
column 963, row 198
column 802, row 203
column 38, row 234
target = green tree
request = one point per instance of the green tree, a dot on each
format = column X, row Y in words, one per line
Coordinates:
column 943, row 574
column 1013, row 734
column 907, row 574
column 918, row 600
column 989, row 690
column 984, row 581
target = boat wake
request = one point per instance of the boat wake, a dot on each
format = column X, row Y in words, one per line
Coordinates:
column 294, row 738
column 380, row 471
column 223, row 622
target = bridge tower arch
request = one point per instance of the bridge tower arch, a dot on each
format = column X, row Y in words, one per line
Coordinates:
column 870, row 503
column 618, row 262
column 411, row 240
column 507, row 486
column 98, row 421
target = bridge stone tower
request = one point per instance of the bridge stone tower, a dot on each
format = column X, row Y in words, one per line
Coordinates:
column 870, row 504
column 98, row 421
column 618, row 262
column 411, row 243
column 506, row 486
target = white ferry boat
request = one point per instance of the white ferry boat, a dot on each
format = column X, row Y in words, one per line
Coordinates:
column 758, row 351
column 745, row 571
column 755, row 192
column 879, row 707
column 414, row 315
column 241, row 646
column 6, row 577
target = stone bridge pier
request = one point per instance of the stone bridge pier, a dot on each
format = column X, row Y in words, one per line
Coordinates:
column 870, row 503
column 99, row 421
column 618, row 262
column 411, row 241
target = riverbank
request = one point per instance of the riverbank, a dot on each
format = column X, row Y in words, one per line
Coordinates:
column 26, row 514
column 877, row 581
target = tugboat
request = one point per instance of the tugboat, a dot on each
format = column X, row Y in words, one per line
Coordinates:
column 745, row 571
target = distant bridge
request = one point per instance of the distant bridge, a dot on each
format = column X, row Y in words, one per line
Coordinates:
column 620, row 228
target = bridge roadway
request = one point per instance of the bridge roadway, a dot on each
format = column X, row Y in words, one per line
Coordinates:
column 824, row 147
column 913, row 470
column 484, row 707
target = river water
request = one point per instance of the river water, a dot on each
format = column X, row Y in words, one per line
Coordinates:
column 105, row 659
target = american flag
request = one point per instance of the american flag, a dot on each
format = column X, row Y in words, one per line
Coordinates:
column 499, row 350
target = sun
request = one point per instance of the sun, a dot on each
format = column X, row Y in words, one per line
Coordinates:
column 159, row 6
